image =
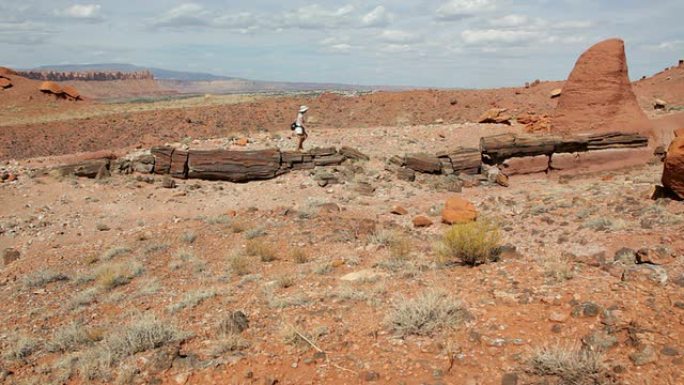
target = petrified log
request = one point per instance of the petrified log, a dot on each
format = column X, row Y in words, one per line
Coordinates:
column 329, row 160
column 616, row 140
column 463, row 160
column 234, row 166
column 322, row 151
column 162, row 159
column 179, row 164
column 353, row 154
column 424, row 163
column 85, row 169
column 498, row 148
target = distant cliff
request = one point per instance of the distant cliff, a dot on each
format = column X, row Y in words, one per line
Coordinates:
column 58, row 76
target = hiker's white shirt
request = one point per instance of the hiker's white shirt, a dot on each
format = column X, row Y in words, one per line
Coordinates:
column 300, row 120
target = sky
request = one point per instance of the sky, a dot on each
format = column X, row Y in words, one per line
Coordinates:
column 429, row 43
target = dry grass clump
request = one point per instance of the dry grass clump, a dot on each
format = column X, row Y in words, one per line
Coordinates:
column 425, row 314
column 472, row 243
column 400, row 247
column 42, row 277
column 189, row 237
column 20, row 347
column 229, row 343
column 300, row 339
column 142, row 334
column 557, row 268
column 298, row 255
column 69, row 338
column 238, row 263
column 261, row 249
column 192, row 299
column 604, row 224
column 572, row 365
column 112, row 275
column 255, row 233
column 113, row 253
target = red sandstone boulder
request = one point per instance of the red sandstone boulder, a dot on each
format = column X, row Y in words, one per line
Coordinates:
column 495, row 115
column 7, row 71
column 458, row 210
column 71, row 92
column 598, row 95
column 679, row 133
column 673, row 173
column 51, row 87
column 5, row 83
column 422, row 221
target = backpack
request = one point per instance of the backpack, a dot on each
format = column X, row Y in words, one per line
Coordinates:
column 293, row 126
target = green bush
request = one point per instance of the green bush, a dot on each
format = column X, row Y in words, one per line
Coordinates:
column 472, row 243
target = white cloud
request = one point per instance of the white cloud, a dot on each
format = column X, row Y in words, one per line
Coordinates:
column 511, row 21
column 399, row 37
column 183, row 15
column 316, row 17
column 460, row 9
column 81, row 11
column 499, row 36
column 378, row 17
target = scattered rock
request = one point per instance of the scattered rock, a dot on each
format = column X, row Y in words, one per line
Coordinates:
column 406, row 174
column 654, row 256
column 458, row 210
column 645, row 273
column 670, row 351
column 398, row 210
column 600, row 341
column 236, row 323
column 168, row 182
column 587, row 310
column 324, row 178
column 673, row 171
column 5, row 83
column 495, row 115
column 555, row 93
column 659, row 104
column 421, row 221
column 353, row 154
column 10, row 255
column 625, row 255
column 509, row 379
column 557, row 316
column 329, row 208
column 370, row 376
column 502, row 180
column 364, row 188
column 242, row 142
column 645, row 355
column 428, row 164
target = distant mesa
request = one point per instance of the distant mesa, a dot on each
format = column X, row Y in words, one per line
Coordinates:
column 598, row 95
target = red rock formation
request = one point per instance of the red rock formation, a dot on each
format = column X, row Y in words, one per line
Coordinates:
column 72, row 92
column 598, row 95
column 51, row 87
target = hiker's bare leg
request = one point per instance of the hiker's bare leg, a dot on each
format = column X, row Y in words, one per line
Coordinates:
column 300, row 145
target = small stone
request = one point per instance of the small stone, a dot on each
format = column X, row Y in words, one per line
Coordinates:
column 558, row 317
column 509, row 379
column 398, row 210
column 669, row 351
column 587, row 310
column 421, row 221
column 370, row 376
column 556, row 328
column 502, row 180
column 362, row 275
column 102, row 227
column 645, row 356
column 655, row 256
column 270, row 381
column 625, row 255
column 168, row 182
column 10, row 255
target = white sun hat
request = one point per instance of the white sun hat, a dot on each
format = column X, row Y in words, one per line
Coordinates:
column 303, row 109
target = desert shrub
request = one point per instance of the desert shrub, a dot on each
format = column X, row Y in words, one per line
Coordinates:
column 400, row 247
column 604, row 224
column 298, row 255
column 381, row 237
column 255, row 233
column 261, row 249
column 285, row 281
column 20, row 347
column 472, row 243
column 238, row 263
column 69, row 337
column 42, row 277
column 189, row 237
column 425, row 314
column 113, row 253
column 142, row 334
column 229, row 343
column 572, row 365
column 83, row 298
column 557, row 267
column 112, row 275
column 192, row 299
column 281, row 302
column 155, row 248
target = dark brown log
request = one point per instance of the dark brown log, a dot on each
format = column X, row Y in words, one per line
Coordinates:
column 162, row 159
column 292, row 157
column 572, row 144
column 498, row 148
column 179, row 164
column 424, row 163
column 616, row 140
column 234, row 166
column 351, row 153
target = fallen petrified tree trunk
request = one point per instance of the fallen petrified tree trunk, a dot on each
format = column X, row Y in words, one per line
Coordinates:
column 616, row 140
column 461, row 160
column 233, row 166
